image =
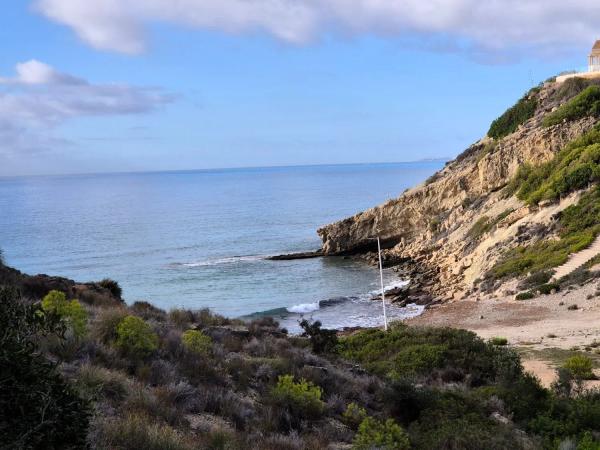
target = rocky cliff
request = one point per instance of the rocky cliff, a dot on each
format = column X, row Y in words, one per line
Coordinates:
column 435, row 225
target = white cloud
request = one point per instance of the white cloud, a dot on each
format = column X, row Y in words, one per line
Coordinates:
column 38, row 99
column 488, row 25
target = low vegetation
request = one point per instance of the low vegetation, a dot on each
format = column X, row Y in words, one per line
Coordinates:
column 573, row 168
column 139, row 377
column 516, row 115
column 586, row 103
column 577, row 227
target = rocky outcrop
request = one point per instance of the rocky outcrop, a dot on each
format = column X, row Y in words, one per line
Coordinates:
column 37, row 286
column 430, row 224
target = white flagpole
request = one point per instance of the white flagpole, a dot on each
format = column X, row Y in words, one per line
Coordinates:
column 382, row 288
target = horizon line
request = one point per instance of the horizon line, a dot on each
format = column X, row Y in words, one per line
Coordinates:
column 216, row 169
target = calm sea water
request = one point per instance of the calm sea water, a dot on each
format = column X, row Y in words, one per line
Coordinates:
column 198, row 239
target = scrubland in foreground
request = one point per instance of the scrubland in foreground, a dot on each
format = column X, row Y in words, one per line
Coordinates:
column 111, row 376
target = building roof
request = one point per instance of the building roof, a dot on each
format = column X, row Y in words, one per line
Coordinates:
column 596, row 49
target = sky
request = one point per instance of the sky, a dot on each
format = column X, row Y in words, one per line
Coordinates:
column 110, row 85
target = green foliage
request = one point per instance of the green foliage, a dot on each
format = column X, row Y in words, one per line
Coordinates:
column 567, row 417
column 547, row 288
column 571, row 87
column 587, row 103
column 71, row 311
column 321, row 340
column 38, row 408
column 588, row 442
column 580, row 367
column 301, row 398
column 135, row 337
column 516, row 115
column 574, row 167
column 497, row 340
column 384, row 435
column 412, row 351
column 525, row 296
column 354, row 415
column 112, row 286
column 196, row 341
column 579, row 225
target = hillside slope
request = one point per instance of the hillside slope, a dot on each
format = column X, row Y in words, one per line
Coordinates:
column 461, row 222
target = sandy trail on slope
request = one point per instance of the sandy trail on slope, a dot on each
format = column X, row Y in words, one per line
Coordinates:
column 534, row 326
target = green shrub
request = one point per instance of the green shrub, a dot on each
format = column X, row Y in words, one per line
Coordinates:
column 586, row 103
column 516, row 115
column 580, row 367
column 572, row 168
column 536, row 279
column 547, row 288
column 71, row 311
column 497, row 340
column 38, row 408
column 387, row 435
column 354, row 415
column 404, row 351
column 525, row 296
column 196, row 342
column 135, row 337
column 302, row 398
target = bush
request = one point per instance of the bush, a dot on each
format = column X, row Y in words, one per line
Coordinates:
column 71, row 311
column 516, row 115
column 135, row 337
column 138, row 432
column 112, row 286
column 321, row 340
column 387, row 435
column 547, row 288
column 499, row 341
column 38, row 408
column 302, row 399
column 403, row 352
column 104, row 328
column 525, row 296
column 196, row 342
column 354, row 415
column 586, row 103
column 98, row 382
column 580, row 367
column 572, row 168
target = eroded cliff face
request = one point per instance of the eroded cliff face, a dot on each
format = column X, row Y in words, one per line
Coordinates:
column 431, row 224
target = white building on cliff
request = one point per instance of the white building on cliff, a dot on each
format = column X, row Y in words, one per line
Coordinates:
column 593, row 66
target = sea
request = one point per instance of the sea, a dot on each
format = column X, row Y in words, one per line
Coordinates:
column 198, row 239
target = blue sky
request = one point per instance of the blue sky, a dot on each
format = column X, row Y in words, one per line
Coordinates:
column 201, row 87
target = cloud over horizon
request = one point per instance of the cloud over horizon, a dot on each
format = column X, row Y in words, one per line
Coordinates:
column 491, row 26
column 38, row 99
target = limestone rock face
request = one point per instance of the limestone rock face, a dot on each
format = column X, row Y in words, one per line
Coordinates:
column 430, row 223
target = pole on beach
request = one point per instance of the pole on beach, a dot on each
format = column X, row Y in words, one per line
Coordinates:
column 382, row 288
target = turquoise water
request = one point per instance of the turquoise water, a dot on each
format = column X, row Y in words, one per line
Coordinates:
column 197, row 239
